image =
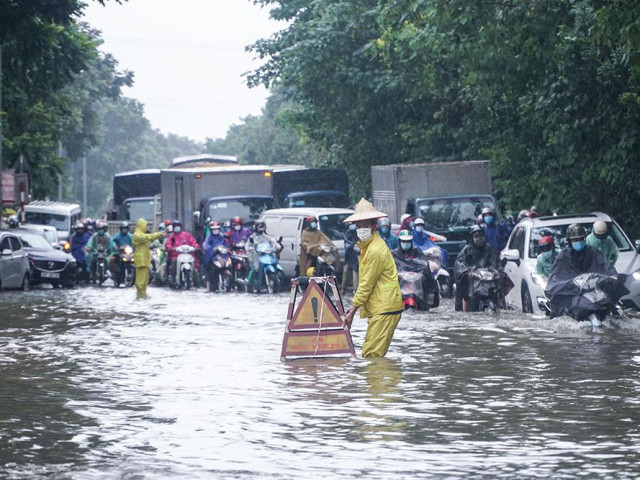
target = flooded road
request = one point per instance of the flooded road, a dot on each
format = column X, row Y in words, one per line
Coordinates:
column 190, row 384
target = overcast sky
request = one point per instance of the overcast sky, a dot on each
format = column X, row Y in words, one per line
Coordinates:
column 188, row 58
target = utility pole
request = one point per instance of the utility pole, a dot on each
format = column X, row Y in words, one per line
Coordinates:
column 59, row 175
column 84, row 186
column 1, row 205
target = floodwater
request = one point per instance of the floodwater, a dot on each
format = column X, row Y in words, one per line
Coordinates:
column 95, row 384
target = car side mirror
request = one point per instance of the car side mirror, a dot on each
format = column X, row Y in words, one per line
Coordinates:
column 6, row 252
column 637, row 242
column 512, row 256
column 196, row 218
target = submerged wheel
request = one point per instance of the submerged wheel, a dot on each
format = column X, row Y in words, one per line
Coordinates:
column 187, row 280
column 527, row 304
column 271, row 282
column 24, row 286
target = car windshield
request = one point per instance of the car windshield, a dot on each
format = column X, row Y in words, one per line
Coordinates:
column 31, row 240
column 60, row 222
column 332, row 225
column 558, row 232
column 136, row 209
column 248, row 209
column 452, row 214
column 327, row 200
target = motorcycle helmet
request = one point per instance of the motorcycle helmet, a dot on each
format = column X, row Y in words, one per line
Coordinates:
column 236, row 221
column 124, row 227
column 576, row 232
column 487, row 211
column 260, row 227
column 384, row 222
column 418, row 221
column 214, row 227
column 13, row 221
column 546, row 243
column 312, row 222
column 600, row 228
column 405, row 237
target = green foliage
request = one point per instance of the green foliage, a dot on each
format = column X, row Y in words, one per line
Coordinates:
column 548, row 91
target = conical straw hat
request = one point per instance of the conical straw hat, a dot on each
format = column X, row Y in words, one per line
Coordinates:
column 364, row 211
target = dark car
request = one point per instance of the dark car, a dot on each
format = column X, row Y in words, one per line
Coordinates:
column 46, row 264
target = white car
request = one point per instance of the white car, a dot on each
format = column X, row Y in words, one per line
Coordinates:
column 520, row 257
column 14, row 264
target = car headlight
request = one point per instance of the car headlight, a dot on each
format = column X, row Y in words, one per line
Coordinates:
column 636, row 275
column 539, row 280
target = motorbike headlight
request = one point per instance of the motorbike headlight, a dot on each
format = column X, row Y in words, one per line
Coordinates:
column 539, row 280
column 636, row 275
column 128, row 250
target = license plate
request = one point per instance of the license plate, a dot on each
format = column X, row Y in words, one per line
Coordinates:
column 49, row 275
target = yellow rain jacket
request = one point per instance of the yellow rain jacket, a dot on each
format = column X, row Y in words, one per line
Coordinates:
column 379, row 289
column 141, row 240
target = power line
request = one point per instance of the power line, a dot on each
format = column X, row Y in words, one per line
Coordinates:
column 154, row 43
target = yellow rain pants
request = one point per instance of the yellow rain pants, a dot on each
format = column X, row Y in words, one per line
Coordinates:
column 379, row 335
column 142, row 280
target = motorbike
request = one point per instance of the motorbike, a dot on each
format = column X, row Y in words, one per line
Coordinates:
column 412, row 291
column 270, row 273
column 185, row 267
column 154, row 268
column 588, row 297
column 327, row 260
column 102, row 271
column 125, row 270
column 440, row 273
column 484, row 289
column 417, row 285
column 222, row 269
column 240, row 265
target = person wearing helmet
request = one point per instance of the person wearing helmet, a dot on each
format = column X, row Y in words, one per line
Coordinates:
column 496, row 233
column 259, row 237
column 312, row 236
column 177, row 238
column 239, row 234
column 101, row 240
column 412, row 259
column 384, row 229
column 351, row 258
column 421, row 238
column 78, row 243
column 13, row 222
column 226, row 227
column 476, row 254
column 215, row 239
column 120, row 240
column 547, row 255
column 600, row 239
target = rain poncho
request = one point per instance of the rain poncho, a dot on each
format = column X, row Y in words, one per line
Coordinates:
column 422, row 240
column 473, row 256
column 141, row 240
column 378, row 290
column 414, row 260
column 607, row 246
column 178, row 239
column 568, row 296
column 310, row 238
column 544, row 262
column 391, row 239
column 497, row 235
column 78, row 244
column 210, row 245
column 237, row 236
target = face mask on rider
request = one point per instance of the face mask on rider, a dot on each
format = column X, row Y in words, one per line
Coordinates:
column 578, row 246
column 177, row 229
column 385, row 230
column 215, row 231
column 364, row 233
column 405, row 245
column 100, row 232
column 419, row 228
column 313, row 225
column 488, row 219
column 546, row 255
column 237, row 227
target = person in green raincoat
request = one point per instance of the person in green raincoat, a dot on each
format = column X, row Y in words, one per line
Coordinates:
column 378, row 293
column 142, row 255
column 600, row 239
column 548, row 255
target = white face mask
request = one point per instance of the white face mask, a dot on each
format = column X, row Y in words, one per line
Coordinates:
column 363, row 233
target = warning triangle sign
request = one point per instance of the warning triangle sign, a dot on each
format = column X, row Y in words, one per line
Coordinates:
column 315, row 311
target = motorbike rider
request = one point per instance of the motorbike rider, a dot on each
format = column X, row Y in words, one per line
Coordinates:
column 226, row 227
column 421, row 238
column 215, row 239
column 239, row 234
column 258, row 237
column 496, row 234
column 312, row 236
column 351, row 258
column 119, row 240
column 600, row 239
column 178, row 238
column 547, row 256
column 100, row 239
column 408, row 257
column 406, row 223
column 384, row 229
column 476, row 254
column 78, row 243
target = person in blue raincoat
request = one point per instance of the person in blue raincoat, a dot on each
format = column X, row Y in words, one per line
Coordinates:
column 215, row 239
column 496, row 234
column 384, row 230
column 78, row 243
column 421, row 238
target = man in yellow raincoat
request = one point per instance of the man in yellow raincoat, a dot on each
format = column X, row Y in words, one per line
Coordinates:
column 142, row 255
column 378, row 292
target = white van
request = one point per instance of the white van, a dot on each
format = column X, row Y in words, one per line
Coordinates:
column 288, row 223
column 62, row 216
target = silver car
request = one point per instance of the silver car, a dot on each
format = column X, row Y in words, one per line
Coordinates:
column 14, row 264
column 520, row 257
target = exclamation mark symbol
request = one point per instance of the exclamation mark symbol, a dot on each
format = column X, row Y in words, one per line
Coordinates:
column 314, row 306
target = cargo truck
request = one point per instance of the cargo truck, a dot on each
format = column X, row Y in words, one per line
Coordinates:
column 136, row 194
column 197, row 195
column 449, row 196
